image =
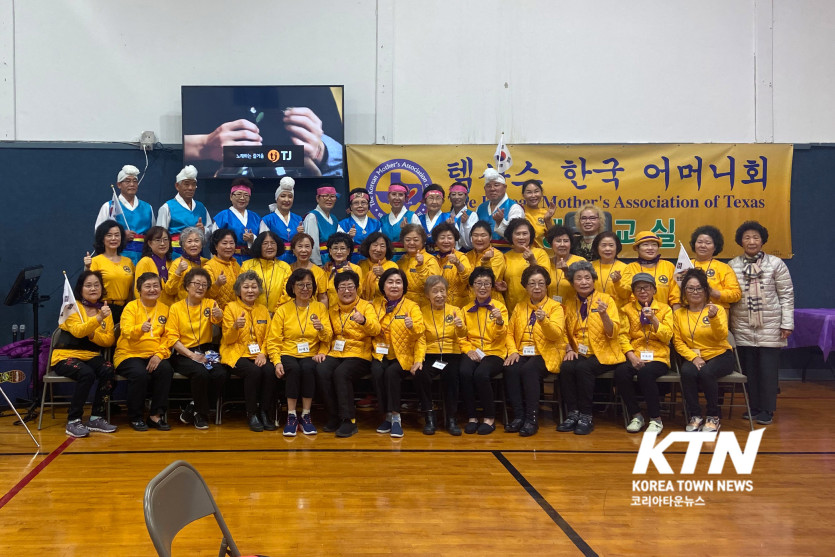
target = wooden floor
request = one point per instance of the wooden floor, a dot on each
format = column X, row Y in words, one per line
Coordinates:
column 552, row 494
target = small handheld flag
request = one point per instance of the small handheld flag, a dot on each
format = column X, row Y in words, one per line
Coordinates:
column 503, row 159
column 683, row 263
column 116, row 209
column 68, row 303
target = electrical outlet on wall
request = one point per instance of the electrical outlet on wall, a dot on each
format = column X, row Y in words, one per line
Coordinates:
column 147, row 140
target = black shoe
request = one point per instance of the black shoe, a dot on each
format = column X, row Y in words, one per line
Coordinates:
column 429, row 428
column 255, row 423
column 332, row 425
column 570, row 423
column 764, row 418
column 346, row 429
column 268, row 423
column 161, row 425
column 585, row 425
column 486, row 429
column 471, row 428
column 514, row 426
column 187, row 415
column 139, row 425
column 753, row 415
column 528, row 429
column 452, row 427
column 200, row 422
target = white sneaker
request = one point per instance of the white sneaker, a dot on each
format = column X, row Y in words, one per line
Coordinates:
column 695, row 424
column 711, row 425
column 636, row 425
column 655, row 426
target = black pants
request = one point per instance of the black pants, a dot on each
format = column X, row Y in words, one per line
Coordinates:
column 85, row 373
column 300, row 375
column 522, row 381
column 335, row 378
column 761, row 365
column 134, row 370
column 260, row 384
column 388, row 376
column 449, row 382
column 201, row 379
column 646, row 383
column 577, row 382
column 707, row 380
column 475, row 379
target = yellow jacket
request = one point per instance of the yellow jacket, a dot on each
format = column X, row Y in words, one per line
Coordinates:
column 291, row 326
column 225, row 293
column 482, row 331
column 175, row 282
column 590, row 332
column 100, row 334
column 693, row 330
column 274, row 274
column 667, row 290
column 515, row 265
column 537, row 219
column 497, row 264
column 370, row 283
column 406, row 345
column 133, row 342
column 560, row 287
column 620, row 291
column 333, row 297
column 638, row 338
column 171, row 288
column 234, row 343
column 416, row 274
column 357, row 338
column 547, row 337
column 458, row 293
column 721, row 277
column 441, row 335
column 118, row 278
column 191, row 325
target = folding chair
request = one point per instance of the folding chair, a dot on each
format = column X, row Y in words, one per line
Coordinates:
column 737, row 378
column 556, row 402
column 176, row 497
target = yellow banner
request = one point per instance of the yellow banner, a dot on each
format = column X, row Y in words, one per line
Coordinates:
column 668, row 189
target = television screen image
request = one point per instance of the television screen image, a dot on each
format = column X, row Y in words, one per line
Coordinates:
column 258, row 131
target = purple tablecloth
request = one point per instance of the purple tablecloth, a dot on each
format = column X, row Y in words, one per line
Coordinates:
column 813, row 327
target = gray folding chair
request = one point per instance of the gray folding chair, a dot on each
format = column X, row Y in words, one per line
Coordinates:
column 176, row 497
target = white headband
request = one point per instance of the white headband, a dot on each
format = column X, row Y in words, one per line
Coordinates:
column 127, row 170
column 286, row 184
column 187, row 173
column 491, row 175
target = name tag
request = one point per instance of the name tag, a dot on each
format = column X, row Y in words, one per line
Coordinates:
column 447, row 266
column 439, row 364
column 697, row 351
column 480, row 353
column 254, row 348
column 646, row 355
column 400, row 316
column 303, row 347
column 262, row 322
column 382, row 349
column 529, row 350
column 557, row 299
column 582, row 349
column 338, row 345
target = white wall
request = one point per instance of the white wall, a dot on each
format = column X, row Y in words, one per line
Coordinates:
column 431, row 71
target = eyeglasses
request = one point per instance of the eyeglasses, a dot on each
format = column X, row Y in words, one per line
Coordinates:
column 241, row 195
column 347, row 288
column 482, row 285
column 642, row 288
column 159, row 241
column 304, row 286
column 589, row 218
column 693, row 289
column 328, row 196
column 199, row 284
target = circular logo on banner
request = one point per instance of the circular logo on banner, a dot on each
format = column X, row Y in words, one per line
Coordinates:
column 397, row 171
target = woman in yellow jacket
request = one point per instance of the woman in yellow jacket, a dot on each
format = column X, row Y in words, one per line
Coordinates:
column 485, row 348
column 340, row 248
column 535, row 341
column 539, row 217
column 707, row 242
column 485, row 255
column 77, row 354
column 398, row 349
column 700, row 336
column 354, row 323
column 592, row 323
column 243, row 348
column 559, row 237
column 189, row 329
column 142, row 353
column 609, row 268
column 156, row 259
column 416, row 263
column 648, row 246
column 302, row 246
column 522, row 255
column 455, row 267
column 266, row 251
column 444, row 330
column 299, row 338
column 646, row 327
column 223, row 268
column 377, row 252
column 117, row 271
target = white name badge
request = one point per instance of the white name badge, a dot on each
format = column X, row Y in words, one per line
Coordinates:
column 480, row 353
column 646, row 355
column 582, row 349
column 254, row 348
column 338, row 345
column 303, row 347
column 698, row 352
column 439, row 364
column 557, row 299
column 382, row 349
column 529, row 351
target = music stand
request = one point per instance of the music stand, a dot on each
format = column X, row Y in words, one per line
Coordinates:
column 25, row 291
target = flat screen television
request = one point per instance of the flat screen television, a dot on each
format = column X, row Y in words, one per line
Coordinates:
column 263, row 131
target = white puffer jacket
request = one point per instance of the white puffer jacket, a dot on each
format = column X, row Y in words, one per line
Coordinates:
column 778, row 304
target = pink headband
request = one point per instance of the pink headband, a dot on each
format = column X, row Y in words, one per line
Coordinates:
column 458, row 187
column 364, row 193
column 398, row 187
column 326, row 190
column 241, row 187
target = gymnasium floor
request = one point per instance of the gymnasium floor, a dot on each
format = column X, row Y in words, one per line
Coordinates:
column 552, row 494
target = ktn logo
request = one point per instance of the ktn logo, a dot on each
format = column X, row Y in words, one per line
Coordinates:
column 726, row 445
